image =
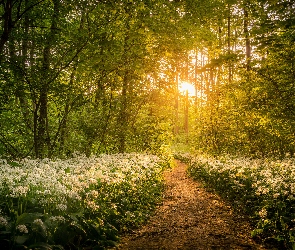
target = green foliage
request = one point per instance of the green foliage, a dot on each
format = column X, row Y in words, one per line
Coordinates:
column 77, row 76
column 244, row 77
column 101, row 77
column 261, row 188
column 88, row 203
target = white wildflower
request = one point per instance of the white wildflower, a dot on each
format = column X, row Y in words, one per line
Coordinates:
column 61, row 207
column 92, row 205
column 74, row 195
column 265, row 191
column 262, row 213
column 22, row 229
column 39, row 223
column 93, row 194
column 19, row 191
column 92, row 181
column 3, row 221
column 57, row 219
column 47, row 192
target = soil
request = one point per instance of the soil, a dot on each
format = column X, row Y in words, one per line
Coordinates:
column 190, row 218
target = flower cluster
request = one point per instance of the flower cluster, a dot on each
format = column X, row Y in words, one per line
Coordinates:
column 3, row 222
column 55, row 182
column 40, row 195
column 22, row 229
column 265, row 189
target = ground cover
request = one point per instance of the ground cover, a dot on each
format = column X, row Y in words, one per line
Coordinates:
column 189, row 218
column 76, row 203
column 263, row 188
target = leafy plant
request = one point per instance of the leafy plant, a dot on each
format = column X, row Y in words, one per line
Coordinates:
column 78, row 202
column 263, row 188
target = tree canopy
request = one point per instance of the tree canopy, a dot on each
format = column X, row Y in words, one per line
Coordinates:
column 104, row 76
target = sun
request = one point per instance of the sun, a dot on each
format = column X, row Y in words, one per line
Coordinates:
column 185, row 86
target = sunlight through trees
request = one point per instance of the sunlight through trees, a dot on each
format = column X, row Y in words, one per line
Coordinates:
column 97, row 79
column 104, row 76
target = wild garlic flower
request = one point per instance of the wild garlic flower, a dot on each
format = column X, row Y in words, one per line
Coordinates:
column 19, row 191
column 48, row 183
column 3, row 222
column 263, row 213
column 57, row 219
column 22, row 229
column 91, row 205
column 39, row 223
column 93, row 194
column 61, row 207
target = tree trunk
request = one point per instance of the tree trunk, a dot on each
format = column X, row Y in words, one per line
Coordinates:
column 247, row 38
column 7, row 25
column 21, row 96
column 42, row 136
column 176, row 128
column 229, row 43
column 186, row 108
column 123, row 117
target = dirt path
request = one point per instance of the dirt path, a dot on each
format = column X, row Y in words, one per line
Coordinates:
column 190, row 218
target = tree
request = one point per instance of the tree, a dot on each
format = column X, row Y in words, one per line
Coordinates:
column 80, row 75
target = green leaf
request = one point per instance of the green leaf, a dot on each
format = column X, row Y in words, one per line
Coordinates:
column 45, row 246
column 21, row 239
column 256, row 232
column 14, row 164
column 27, row 218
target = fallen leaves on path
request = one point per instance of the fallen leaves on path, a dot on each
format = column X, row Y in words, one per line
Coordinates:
column 190, row 218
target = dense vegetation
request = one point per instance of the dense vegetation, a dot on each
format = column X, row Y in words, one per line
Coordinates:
column 76, row 203
column 104, row 76
column 260, row 188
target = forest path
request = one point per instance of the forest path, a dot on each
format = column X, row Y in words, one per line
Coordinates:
column 190, row 218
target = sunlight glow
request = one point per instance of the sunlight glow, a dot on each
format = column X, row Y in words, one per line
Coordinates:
column 185, row 86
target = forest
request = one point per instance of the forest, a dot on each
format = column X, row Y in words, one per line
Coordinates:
column 122, row 86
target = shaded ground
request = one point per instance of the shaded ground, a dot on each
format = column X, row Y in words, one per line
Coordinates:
column 190, row 218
